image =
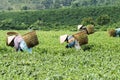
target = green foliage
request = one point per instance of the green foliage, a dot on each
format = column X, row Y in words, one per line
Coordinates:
column 9, row 8
column 103, row 19
column 115, row 25
column 53, row 4
column 37, row 25
column 87, row 21
column 50, row 60
column 25, row 8
column 55, row 18
column 6, row 24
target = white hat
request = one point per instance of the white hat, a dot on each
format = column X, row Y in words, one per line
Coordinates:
column 63, row 38
column 10, row 38
column 79, row 26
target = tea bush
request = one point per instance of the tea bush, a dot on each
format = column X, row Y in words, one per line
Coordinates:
column 50, row 60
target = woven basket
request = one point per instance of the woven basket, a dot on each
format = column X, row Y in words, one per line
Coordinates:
column 81, row 37
column 10, row 34
column 90, row 29
column 111, row 32
column 31, row 39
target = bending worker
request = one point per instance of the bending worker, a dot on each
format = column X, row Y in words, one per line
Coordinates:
column 89, row 28
column 114, row 32
column 18, row 43
column 72, row 42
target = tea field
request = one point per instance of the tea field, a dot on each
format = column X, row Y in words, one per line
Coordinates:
column 50, row 60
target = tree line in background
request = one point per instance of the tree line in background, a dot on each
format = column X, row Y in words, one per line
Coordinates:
column 59, row 18
column 52, row 4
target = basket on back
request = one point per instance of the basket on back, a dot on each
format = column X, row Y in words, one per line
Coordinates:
column 112, row 33
column 81, row 37
column 9, row 34
column 90, row 29
column 31, row 39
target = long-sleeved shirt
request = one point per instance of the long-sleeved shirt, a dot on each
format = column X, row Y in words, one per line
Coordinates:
column 118, row 32
column 72, row 42
column 20, row 44
column 17, row 41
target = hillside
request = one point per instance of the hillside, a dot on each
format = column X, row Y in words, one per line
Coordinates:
column 52, row 4
column 50, row 60
column 59, row 18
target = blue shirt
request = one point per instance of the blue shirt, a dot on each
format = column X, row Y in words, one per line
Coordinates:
column 73, row 43
column 24, row 47
column 118, row 32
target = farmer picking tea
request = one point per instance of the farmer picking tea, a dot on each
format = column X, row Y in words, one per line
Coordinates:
column 76, row 40
column 21, row 43
column 114, row 32
column 72, row 42
column 17, row 42
column 81, row 27
column 89, row 28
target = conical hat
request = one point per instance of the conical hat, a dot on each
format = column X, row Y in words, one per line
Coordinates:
column 63, row 38
column 10, row 38
column 79, row 26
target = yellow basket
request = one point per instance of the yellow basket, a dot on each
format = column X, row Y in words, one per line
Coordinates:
column 31, row 39
column 81, row 37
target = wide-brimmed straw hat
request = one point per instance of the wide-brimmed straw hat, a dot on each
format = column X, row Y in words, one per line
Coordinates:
column 63, row 38
column 79, row 26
